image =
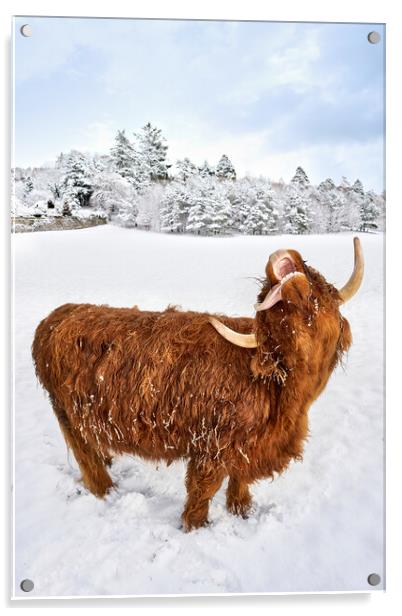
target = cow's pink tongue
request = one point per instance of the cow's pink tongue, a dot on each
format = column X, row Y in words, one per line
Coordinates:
column 274, row 296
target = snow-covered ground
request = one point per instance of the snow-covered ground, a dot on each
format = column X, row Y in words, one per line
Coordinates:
column 318, row 527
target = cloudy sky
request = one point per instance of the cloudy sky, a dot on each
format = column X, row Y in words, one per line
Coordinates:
column 270, row 95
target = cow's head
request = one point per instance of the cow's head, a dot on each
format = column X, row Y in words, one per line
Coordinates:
column 292, row 288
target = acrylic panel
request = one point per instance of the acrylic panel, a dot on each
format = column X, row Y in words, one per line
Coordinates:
column 198, row 221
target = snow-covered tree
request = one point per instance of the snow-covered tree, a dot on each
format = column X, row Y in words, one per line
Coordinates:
column 334, row 208
column 380, row 201
column 186, row 169
column 127, row 212
column 337, row 210
column 175, row 207
column 171, row 218
column 122, row 155
column 219, row 209
column 369, row 212
column 300, row 178
column 28, row 186
column 205, row 171
column 224, row 169
column 327, row 185
column 344, row 185
column 326, row 201
column 198, row 206
column 354, row 196
column 70, row 200
column 358, row 187
column 148, row 204
column 151, row 152
column 114, row 196
column 238, row 194
column 55, row 189
column 297, row 213
column 258, row 218
column 77, row 180
column 260, row 211
column 199, row 217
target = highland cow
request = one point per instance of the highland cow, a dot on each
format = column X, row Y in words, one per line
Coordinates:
column 229, row 395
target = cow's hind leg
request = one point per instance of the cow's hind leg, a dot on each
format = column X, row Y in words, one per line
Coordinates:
column 238, row 497
column 202, row 482
column 92, row 465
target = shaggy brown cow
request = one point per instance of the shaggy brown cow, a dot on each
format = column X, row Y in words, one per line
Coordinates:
column 184, row 385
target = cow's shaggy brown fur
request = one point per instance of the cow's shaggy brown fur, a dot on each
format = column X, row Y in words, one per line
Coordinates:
column 165, row 385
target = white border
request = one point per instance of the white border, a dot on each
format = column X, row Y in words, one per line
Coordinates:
column 308, row 10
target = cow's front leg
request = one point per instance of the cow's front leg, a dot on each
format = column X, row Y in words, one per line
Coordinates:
column 202, row 482
column 238, row 497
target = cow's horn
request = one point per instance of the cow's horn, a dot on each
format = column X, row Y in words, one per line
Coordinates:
column 354, row 282
column 247, row 341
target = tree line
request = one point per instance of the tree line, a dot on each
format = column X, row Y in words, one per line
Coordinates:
column 136, row 186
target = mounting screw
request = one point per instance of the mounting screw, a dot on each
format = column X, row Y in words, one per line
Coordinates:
column 374, row 37
column 27, row 585
column 26, row 30
column 374, row 579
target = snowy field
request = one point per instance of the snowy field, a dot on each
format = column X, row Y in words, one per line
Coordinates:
column 318, row 527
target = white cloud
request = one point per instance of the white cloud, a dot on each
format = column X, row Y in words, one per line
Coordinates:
column 97, row 138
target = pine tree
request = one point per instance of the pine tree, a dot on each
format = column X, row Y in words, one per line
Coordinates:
column 337, row 212
column 170, row 218
column 199, row 218
column 28, row 186
column 261, row 212
column 326, row 185
column 239, row 196
column 126, row 213
column 71, row 202
column 141, row 179
column 148, row 203
column 380, row 201
column 77, row 183
column 300, row 178
column 186, row 169
column 355, row 197
column 205, row 171
column 218, row 207
column 122, row 155
column 225, row 169
column 206, row 206
column 174, row 208
column 344, row 186
column 358, row 187
column 257, row 219
column 327, row 199
column 114, row 196
column 150, row 153
column 298, row 218
column 369, row 212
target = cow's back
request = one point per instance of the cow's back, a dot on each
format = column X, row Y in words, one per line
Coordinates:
column 148, row 380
